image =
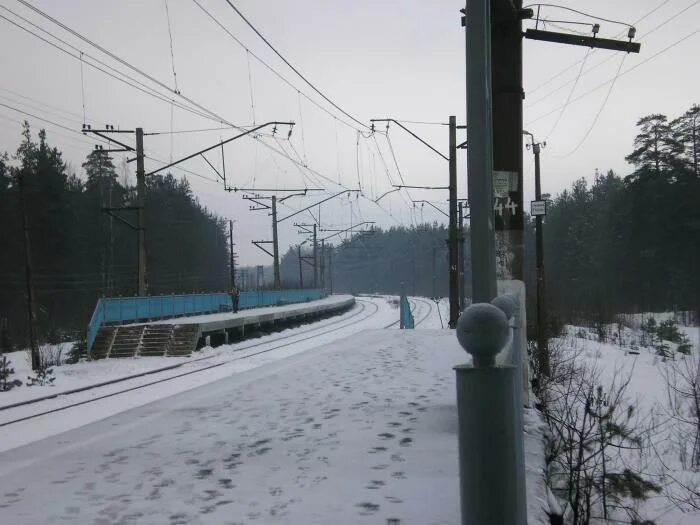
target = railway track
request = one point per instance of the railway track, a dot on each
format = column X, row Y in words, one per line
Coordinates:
column 356, row 317
column 298, row 337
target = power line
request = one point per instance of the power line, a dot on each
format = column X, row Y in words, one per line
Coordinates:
column 292, row 67
column 568, row 98
column 172, row 52
column 204, row 112
column 670, row 46
column 595, row 119
column 80, row 56
column 595, row 66
column 565, row 8
column 118, row 59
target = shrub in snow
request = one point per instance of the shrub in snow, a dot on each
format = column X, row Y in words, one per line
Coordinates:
column 43, row 377
column 589, row 426
column 6, row 371
column 51, row 355
column 78, row 351
column 668, row 331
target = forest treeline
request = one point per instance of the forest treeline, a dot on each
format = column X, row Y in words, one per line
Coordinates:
column 385, row 261
column 622, row 243
column 80, row 253
column 630, row 243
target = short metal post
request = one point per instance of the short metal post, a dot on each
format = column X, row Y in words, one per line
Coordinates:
column 490, row 458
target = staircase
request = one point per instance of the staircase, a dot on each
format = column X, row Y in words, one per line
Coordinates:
column 184, row 339
column 153, row 340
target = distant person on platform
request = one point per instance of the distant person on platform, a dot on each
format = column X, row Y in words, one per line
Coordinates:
column 235, row 298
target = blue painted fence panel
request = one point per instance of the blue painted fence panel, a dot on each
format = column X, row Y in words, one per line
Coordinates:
column 121, row 310
column 405, row 313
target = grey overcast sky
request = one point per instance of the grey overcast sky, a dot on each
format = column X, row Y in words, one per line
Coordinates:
column 398, row 58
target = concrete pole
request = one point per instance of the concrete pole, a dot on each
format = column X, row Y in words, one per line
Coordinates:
column 315, row 260
column 232, row 264
column 323, row 263
column 140, row 197
column 453, row 233
column 542, row 344
column 479, row 149
column 275, row 245
column 330, row 267
column 461, row 256
column 434, row 272
column 301, row 270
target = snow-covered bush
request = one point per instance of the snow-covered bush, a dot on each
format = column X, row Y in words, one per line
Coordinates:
column 6, row 371
column 589, row 424
column 43, row 377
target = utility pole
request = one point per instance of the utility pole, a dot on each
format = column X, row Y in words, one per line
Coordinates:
column 477, row 22
column 261, row 205
column 301, row 272
column 140, row 224
column 323, row 263
column 275, row 245
column 232, row 262
column 454, row 233
column 315, row 258
column 31, row 310
column 461, row 206
column 507, row 113
column 538, row 209
column 330, row 267
column 434, row 272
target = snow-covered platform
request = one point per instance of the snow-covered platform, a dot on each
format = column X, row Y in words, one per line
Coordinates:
column 360, row 430
column 182, row 335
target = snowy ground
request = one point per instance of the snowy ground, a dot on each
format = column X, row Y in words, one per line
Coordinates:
column 647, row 393
column 337, row 429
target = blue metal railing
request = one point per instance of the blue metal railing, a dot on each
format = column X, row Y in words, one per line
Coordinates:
column 120, row 310
column 405, row 313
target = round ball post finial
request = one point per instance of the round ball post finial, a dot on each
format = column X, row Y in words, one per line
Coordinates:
column 508, row 303
column 483, row 330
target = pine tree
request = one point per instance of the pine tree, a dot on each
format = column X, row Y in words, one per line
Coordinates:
column 657, row 148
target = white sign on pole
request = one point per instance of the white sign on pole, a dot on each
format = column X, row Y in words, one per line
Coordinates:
column 538, row 208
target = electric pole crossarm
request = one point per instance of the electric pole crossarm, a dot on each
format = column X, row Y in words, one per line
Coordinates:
column 108, row 138
column 410, row 133
column 433, row 205
column 222, row 177
column 258, row 244
column 219, row 144
column 276, row 190
column 345, row 230
column 385, row 194
column 110, row 212
column 582, row 40
column 316, row 204
column 399, row 186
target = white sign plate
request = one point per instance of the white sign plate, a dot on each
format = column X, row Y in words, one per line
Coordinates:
column 538, row 208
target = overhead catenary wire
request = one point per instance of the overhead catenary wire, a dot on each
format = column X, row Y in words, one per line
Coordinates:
column 299, row 74
column 172, row 51
column 250, row 85
column 597, row 116
column 568, row 98
column 266, row 65
column 566, row 8
column 193, row 107
column 622, row 73
column 553, row 77
column 114, row 73
column 607, row 59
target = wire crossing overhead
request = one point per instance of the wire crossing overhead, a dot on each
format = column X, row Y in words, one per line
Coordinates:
column 318, row 91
